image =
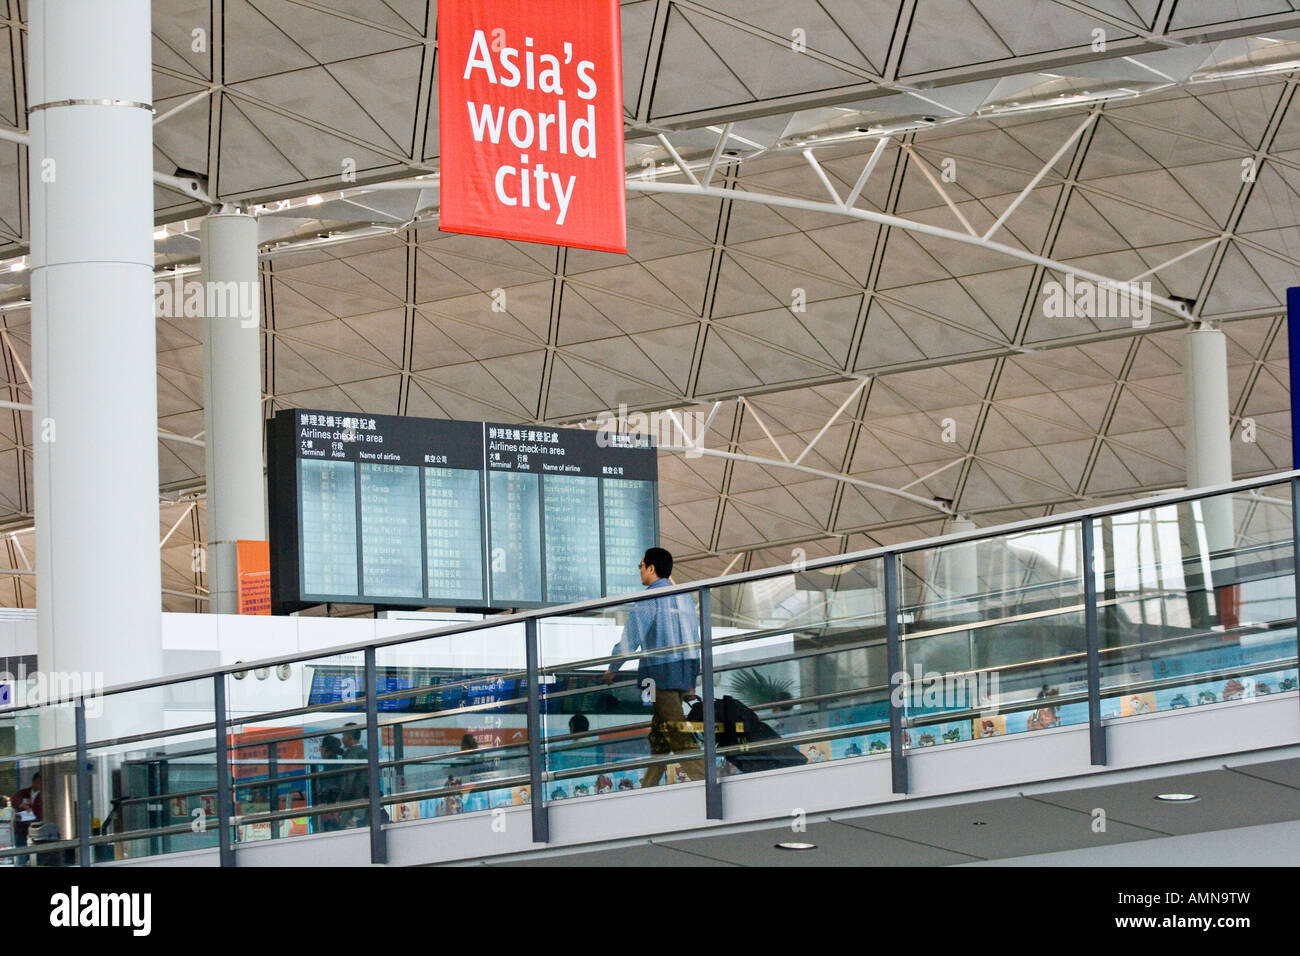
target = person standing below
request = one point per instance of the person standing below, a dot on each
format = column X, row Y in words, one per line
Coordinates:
column 667, row 631
column 26, row 811
column 328, row 788
column 355, row 785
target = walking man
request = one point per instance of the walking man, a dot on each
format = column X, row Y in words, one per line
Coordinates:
column 666, row 631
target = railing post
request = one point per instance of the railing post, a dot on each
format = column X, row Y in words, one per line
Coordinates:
column 83, row 786
column 225, row 803
column 273, row 791
column 712, row 787
column 897, row 679
column 1295, row 552
column 378, row 841
column 1096, row 731
column 536, row 800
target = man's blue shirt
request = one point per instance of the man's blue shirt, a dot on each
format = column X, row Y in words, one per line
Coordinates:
column 667, row 624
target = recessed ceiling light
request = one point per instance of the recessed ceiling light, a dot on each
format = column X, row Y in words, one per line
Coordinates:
column 979, row 823
column 796, row 846
column 1177, row 797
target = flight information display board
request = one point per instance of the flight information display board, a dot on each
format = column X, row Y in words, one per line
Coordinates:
column 407, row 512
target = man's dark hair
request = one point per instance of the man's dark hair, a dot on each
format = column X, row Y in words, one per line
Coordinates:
column 36, row 776
column 578, row 724
column 331, row 745
column 660, row 560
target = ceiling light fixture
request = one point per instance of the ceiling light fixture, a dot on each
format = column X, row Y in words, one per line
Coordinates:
column 861, row 132
column 1209, row 76
column 667, row 169
column 796, row 846
column 1056, row 102
column 1177, row 797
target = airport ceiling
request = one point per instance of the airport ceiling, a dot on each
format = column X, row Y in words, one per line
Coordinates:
column 1165, row 132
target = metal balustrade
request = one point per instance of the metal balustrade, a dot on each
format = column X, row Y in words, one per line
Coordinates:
column 1190, row 599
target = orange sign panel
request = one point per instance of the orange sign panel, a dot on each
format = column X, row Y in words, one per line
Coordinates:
column 253, row 567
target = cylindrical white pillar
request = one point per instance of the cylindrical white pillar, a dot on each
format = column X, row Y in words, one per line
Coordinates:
column 1206, row 434
column 94, row 367
column 961, row 563
column 1206, row 430
column 232, row 391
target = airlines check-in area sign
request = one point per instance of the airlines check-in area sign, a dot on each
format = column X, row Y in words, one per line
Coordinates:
column 530, row 99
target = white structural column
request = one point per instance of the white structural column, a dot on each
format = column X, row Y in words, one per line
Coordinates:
column 962, row 561
column 232, row 391
column 1206, row 431
column 961, row 570
column 94, row 366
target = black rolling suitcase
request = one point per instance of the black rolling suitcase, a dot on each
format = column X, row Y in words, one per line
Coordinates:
column 738, row 726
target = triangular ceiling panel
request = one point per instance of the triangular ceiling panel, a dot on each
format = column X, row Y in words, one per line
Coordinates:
column 688, row 66
column 773, row 67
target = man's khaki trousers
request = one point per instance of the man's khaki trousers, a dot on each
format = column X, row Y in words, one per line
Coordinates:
column 669, row 734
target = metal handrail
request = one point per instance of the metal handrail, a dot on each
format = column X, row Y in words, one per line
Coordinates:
column 569, row 610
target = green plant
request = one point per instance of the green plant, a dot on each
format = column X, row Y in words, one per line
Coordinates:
column 755, row 687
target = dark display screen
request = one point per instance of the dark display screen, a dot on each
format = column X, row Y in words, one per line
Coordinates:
column 329, row 526
column 391, row 555
column 453, row 513
column 571, row 508
column 408, row 512
column 628, row 507
column 516, row 538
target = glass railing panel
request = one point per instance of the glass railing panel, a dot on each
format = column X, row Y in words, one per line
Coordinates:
column 454, row 723
column 152, row 784
column 1196, row 602
column 40, row 827
column 617, row 717
column 298, row 748
column 993, row 638
column 800, row 668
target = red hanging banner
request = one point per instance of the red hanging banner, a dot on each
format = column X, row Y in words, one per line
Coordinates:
column 530, row 99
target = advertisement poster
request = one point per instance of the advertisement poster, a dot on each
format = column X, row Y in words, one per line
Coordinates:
column 253, row 560
column 404, row 811
column 1131, row 705
column 1047, row 717
column 818, row 752
column 994, row 726
column 530, row 100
